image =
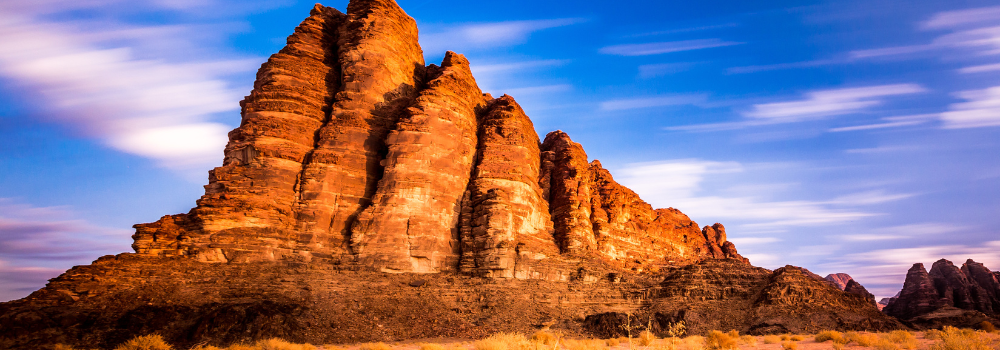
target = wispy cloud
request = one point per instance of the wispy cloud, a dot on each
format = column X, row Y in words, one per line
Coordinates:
column 825, row 103
column 665, row 47
column 974, row 30
column 882, row 271
column 677, row 183
column 980, row 68
column 889, row 122
column 98, row 83
column 647, row 71
column 779, row 66
column 436, row 39
column 44, row 241
column 982, row 109
column 686, row 30
column 656, row 101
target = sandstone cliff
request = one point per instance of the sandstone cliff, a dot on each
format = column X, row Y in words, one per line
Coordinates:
column 352, row 151
column 947, row 295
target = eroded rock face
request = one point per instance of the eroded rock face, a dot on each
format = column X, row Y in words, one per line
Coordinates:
column 839, row 279
column 957, row 296
column 856, row 288
column 351, row 151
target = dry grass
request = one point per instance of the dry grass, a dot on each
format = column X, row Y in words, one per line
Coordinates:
column 771, row 339
column 862, row 339
column 717, row 340
column 797, row 338
column 933, row 334
column 584, row 344
column 838, row 346
column 612, row 342
column 423, row 346
column 694, row 342
column 790, row 345
column 963, row 339
column 544, row 338
column 279, row 344
column 206, row 347
column 503, row 341
column 836, row 337
column 987, row 326
column 749, row 340
column 646, row 338
column 62, row 347
column 145, row 342
column 903, row 339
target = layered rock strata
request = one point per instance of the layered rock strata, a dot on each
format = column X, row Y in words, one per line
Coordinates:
column 947, row 292
column 352, row 151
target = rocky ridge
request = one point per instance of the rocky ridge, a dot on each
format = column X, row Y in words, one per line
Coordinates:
column 367, row 196
column 947, row 294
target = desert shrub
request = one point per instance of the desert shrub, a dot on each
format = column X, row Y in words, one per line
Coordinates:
column 646, row 338
column 866, row 340
column 790, row 345
column 717, row 340
column 503, row 341
column 374, row 346
column 62, row 347
column 694, row 342
column 987, row 326
column 796, row 338
column 835, row 336
column 904, row 339
column 838, row 346
column 206, row 347
column 933, row 334
column 885, row 344
column 786, row 337
column 749, row 340
column 242, row 347
column 426, row 346
column 677, row 329
column 145, row 342
column 612, row 341
column 771, row 339
column 962, row 339
column 543, row 337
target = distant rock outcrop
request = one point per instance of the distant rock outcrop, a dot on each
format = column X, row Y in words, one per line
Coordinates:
column 947, row 295
column 839, row 279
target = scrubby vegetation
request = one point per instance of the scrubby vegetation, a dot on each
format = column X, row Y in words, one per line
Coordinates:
column 949, row 338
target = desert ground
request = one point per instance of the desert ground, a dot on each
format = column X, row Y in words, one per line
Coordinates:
column 948, row 339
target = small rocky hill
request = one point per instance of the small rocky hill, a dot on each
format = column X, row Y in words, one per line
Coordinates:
column 948, row 295
column 367, row 196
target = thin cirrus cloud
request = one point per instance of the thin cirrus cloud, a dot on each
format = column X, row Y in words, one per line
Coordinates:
column 825, row 103
column 678, row 184
column 38, row 243
column 665, row 47
column 435, row 39
column 890, row 122
column 981, row 109
column 97, row 83
column 656, row 101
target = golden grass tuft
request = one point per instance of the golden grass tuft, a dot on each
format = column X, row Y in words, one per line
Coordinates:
column 749, row 340
column 904, row 339
column 987, row 326
column 797, row 338
column 61, row 346
column 242, row 347
column 771, row 339
column 584, row 344
column 694, row 342
column 206, row 347
column 836, row 337
column 427, row 346
column 717, row 340
column 862, row 339
column 374, row 346
column 646, row 338
column 503, row 341
column 146, row 342
column 280, row 344
column 933, row 334
column 786, row 337
column 612, row 341
column 544, row 338
column 790, row 345
column 838, row 346
column 962, row 339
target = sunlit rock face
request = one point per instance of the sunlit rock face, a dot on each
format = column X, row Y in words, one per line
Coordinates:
column 947, row 295
column 352, row 151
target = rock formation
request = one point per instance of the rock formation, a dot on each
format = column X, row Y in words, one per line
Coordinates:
column 839, row 279
column 367, row 196
column 946, row 295
column 352, row 151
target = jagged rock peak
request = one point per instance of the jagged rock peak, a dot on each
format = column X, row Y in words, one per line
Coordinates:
column 352, row 151
column 839, row 279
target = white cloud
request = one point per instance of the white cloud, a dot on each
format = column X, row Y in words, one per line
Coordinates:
column 980, row 68
column 664, row 47
column 958, row 18
column 657, row 101
column 437, row 39
column 133, row 104
column 647, row 71
column 982, row 109
column 779, row 66
column 824, row 103
column 744, row 241
column 870, row 197
column 974, row 30
column 677, row 183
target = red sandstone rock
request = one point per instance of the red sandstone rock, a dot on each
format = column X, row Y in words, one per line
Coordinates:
column 987, row 280
column 412, row 224
column 839, row 279
column 917, row 297
column 856, row 288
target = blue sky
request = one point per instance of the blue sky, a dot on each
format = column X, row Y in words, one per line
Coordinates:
column 842, row 136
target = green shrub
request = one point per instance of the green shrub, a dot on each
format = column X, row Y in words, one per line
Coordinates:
column 146, row 342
